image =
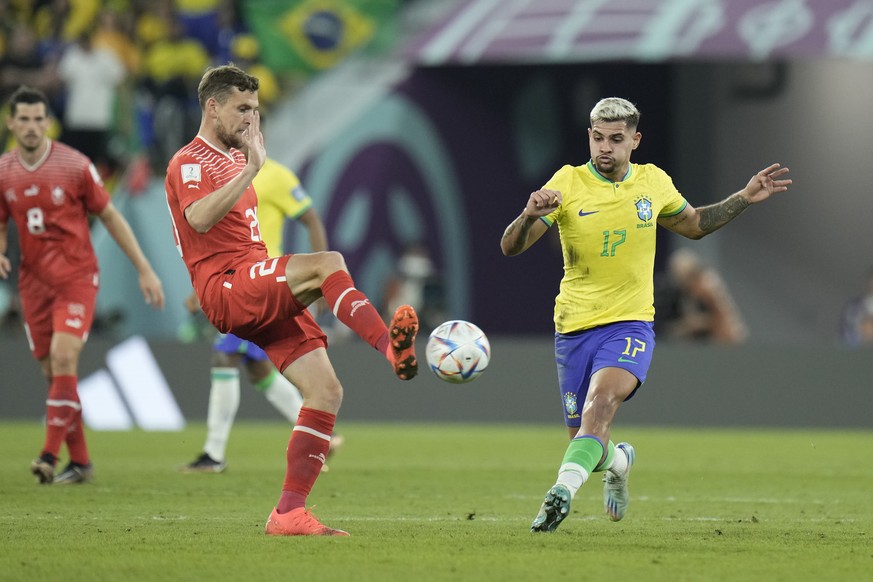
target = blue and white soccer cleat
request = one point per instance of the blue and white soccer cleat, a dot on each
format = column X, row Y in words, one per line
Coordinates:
column 555, row 507
column 616, row 497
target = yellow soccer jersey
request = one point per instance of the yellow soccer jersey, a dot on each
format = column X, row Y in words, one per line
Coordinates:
column 608, row 242
column 280, row 195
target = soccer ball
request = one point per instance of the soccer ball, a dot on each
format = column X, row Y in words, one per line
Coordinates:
column 457, row 351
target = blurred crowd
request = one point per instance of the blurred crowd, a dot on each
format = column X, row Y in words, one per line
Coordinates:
column 122, row 74
column 856, row 319
column 122, row 78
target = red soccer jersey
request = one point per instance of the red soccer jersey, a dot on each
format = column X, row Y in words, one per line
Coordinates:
column 50, row 202
column 199, row 169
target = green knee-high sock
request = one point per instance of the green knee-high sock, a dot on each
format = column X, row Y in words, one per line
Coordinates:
column 607, row 462
column 582, row 456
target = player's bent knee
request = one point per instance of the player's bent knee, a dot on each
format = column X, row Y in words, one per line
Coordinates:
column 326, row 397
column 331, row 262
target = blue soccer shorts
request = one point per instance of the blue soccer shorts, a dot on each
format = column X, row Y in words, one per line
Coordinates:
column 228, row 343
column 626, row 344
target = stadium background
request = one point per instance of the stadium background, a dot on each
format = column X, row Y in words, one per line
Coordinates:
column 433, row 120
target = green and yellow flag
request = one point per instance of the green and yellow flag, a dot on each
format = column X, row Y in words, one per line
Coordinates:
column 306, row 36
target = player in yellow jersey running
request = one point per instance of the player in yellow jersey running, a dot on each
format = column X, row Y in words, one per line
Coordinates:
column 607, row 212
column 280, row 196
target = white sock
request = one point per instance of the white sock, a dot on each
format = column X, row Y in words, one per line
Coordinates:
column 619, row 462
column 283, row 395
column 572, row 476
column 223, row 404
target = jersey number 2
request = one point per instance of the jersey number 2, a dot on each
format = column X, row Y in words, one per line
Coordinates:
column 254, row 225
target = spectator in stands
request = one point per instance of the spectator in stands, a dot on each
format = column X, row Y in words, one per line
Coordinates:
column 693, row 302
column 8, row 17
column 64, row 21
column 415, row 282
column 172, row 67
column 245, row 53
column 230, row 25
column 91, row 76
column 23, row 64
column 856, row 320
column 201, row 21
column 115, row 31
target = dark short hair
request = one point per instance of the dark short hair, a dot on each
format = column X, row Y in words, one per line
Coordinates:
column 28, row 96
column 218, row 82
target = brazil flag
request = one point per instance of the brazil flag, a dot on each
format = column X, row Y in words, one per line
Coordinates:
column 305, row 36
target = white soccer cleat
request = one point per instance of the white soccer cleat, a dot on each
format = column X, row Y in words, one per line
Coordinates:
column 616, row 497
column 555, row 507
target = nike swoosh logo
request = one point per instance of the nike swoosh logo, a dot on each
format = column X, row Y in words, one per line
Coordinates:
column 626, row 361
column 583, row 213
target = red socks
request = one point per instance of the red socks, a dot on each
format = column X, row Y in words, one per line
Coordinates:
column 76, row 441
column 306, row 453
column 354, row 309
column 62, row 408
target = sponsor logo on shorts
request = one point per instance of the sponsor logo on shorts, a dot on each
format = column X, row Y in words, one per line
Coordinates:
column 74, row 323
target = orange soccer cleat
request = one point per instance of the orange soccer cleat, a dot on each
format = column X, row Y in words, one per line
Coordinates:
column 299, row 522
column 403, row 328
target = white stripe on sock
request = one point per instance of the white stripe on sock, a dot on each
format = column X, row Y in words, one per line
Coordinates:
column 71, row 403
column 340, row 300
column 313, row 432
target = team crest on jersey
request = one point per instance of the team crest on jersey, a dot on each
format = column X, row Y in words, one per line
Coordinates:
column 190, row 173
column 644, row 208
column 58, row 195
column 570, row 404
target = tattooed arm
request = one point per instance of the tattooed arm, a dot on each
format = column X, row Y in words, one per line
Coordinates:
column 696, row 223
column 528, row 228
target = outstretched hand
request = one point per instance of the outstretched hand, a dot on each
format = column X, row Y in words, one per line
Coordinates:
column 766, row 183
column 542, row 203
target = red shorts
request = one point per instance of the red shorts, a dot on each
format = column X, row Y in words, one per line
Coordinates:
column 255, row 303
column 50, row 309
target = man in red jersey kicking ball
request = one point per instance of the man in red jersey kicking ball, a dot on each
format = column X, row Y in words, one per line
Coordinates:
column 48, row 189
column 243, row 291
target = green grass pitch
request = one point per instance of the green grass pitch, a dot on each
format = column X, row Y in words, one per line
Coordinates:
column 446, row 502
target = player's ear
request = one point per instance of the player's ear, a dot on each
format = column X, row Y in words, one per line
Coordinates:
column 637, row 137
